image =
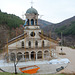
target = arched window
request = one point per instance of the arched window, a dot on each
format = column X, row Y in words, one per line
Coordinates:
column 43, row 44
column 32, row 22
column 33, row 55
column 26, row 55
column 19, row 56
column 39, row 55
column 46, row 54
column 28, row 22
column 36, row 22
column 22, row 44
column 29, row 43
column 36, row 44
column 12, row 57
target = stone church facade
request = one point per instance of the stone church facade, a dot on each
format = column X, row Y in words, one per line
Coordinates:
column 32, row 44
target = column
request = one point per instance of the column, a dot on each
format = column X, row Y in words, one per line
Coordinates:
column 29, row 21
column 43, row 55
column 9, row 57
column 36, row 56
column 34, row 21
column 37, row 22
column 29, row 55
column 16, row 57
column 23, row 57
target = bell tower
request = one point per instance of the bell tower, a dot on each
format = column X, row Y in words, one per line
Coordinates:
column 31, row 26
column 32, row 16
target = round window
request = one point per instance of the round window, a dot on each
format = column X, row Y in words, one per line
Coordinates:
column 32, row 34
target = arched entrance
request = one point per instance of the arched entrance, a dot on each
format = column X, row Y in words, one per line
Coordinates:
column 19, row 56
column 33, row 55
column 26, row 55
column 39, row 55
column 12, row 56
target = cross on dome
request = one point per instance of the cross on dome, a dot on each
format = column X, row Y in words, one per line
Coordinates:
column 31, row 3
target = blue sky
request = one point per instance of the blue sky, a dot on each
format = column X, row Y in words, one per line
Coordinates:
column 53, row 11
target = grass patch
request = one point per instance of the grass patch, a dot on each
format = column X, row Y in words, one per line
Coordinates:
column 50, row 74
column 6, row 73
column 72, row 47
column 69, row 73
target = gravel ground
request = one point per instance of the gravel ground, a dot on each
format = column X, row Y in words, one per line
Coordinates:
column 44, row 68
column 70, row 54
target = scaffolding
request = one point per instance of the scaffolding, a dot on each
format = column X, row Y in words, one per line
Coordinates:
column 39, row 53
column 42, row 45
column 25, row 47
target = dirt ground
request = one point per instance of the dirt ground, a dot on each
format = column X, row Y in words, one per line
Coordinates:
column 70, row 54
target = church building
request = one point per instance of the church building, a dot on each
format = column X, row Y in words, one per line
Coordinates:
column 32, row 45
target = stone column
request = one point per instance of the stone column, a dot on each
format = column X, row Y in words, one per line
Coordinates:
column 29, row 21
column 16, row 57
column 37, row 22
column 36, row 56
column 9, row 57
column 34, row 21
column 23, row 57
column 43, row 54
column 29, row 55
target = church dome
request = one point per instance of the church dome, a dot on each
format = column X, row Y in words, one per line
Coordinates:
column 32, row 10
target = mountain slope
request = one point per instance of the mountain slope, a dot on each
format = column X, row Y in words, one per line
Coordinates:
column 10, row 20
column 67, row 27
column 43, row 23
column 8, row 25
column 64, row 26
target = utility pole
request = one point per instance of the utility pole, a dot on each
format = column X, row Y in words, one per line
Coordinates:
column 61, row 42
